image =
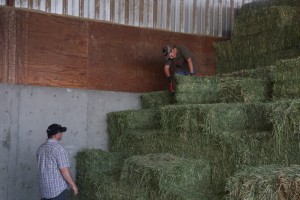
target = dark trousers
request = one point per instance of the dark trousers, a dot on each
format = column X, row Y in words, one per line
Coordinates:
column 61, row 196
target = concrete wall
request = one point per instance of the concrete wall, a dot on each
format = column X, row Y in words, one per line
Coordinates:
column 25, row 114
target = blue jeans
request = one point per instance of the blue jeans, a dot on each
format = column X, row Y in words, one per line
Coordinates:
column 185, row 73
column 61, row 196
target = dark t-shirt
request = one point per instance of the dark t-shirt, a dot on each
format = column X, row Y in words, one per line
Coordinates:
column 180, row 62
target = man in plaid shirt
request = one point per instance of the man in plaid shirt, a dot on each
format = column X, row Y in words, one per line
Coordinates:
column 53, row 166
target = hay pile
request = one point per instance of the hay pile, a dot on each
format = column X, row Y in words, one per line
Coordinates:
column 260, row 38
column 265, row 182
column 227, row 135
column 165, row 176
column 214, row 125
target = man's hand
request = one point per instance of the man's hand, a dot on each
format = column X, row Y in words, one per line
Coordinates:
column 75, row 189
column 171, row 87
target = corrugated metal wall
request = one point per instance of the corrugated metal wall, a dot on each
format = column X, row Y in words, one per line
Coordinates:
column 205, row 17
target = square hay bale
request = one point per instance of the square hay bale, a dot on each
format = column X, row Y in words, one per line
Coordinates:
column 285, row 118
column 188, row 145
column 273, row 40
column 231, row 149
column 165, row 176
column 93, row 167
column 224, row 50
column 265, row 182
column 184, row 118
column 286, row 70
column 237, row 117
column 263, row 73
column 257, row 4
column 114, row 190
column 139, row 142
column 246, row 90
column 195, row 90
column 215, row 90
column 156, row 99
column 255, row 61
column 266, row 19
column 121, row 121
column 286, row 90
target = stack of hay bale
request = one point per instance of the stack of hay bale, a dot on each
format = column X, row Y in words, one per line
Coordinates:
column 260, row 38
column 235, row 135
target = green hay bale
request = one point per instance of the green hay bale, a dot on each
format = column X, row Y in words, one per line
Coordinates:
column 244, row 90
column 223, row 50
column 266, row 19
column 184, row 118
column 263, row 76
column 93, row 166
column 197, row 90
column 265, row 182
column 286, row 90
column 237, row 117
column 255, row 61
column 286, row 70
column 230, row 150
column 285, row 117
column 215, row 118
column 112, row 189
column 156, row 99
column 263, row 73
column 139, row 142
column 273, row 40
column 215, row 90
column 165, row 176
column 188, row 145
column 118, row 122
column 258, row 4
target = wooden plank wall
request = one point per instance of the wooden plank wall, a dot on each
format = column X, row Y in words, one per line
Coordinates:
column 52, row 50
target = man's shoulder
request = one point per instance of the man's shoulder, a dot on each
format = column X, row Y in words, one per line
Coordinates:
column 51, row 144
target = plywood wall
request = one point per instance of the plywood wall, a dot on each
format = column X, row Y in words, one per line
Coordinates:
column 51, row 50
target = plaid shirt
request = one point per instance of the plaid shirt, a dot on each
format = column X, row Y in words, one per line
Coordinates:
column 51, row 157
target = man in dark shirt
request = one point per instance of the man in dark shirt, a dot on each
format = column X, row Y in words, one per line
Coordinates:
column 179, row 59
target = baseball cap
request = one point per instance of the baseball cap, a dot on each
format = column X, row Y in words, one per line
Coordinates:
column 166, row 51
column 56, row 128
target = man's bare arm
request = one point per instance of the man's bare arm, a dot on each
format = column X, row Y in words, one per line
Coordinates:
column 65, row 172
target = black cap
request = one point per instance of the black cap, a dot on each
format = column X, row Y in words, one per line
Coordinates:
column 56, row 128
column 166, row 51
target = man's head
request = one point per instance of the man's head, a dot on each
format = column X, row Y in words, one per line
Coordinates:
column 169, row 52
column 54, row 130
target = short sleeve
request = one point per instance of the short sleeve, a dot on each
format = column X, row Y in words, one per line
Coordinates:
column 62, row 159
